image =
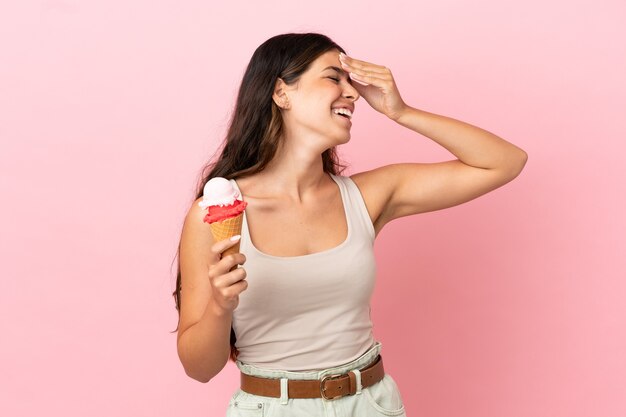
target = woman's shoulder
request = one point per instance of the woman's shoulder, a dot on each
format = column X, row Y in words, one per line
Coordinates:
column 194, row 224
column 365, row 180
column 373, row 181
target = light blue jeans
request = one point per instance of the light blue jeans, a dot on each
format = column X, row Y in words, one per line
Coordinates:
column 381, row 399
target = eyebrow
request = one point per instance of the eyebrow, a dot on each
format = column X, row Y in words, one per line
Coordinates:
column 339, row 70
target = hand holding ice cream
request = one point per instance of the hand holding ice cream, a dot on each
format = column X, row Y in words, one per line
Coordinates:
column 225, row 217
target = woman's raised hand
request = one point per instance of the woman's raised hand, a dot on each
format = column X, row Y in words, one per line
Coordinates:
column 227, row 281
column 380, row 90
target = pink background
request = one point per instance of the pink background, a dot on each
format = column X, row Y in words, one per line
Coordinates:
column 509, row 305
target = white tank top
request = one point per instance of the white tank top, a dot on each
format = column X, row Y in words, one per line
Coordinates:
column 309, row 312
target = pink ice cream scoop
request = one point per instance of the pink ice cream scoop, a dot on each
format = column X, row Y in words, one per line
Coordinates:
column 222, row 200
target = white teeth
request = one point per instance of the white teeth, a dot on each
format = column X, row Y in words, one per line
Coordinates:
column 343, row 111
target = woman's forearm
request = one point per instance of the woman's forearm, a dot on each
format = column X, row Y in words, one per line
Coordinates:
column 204, row 348
column 472, row 145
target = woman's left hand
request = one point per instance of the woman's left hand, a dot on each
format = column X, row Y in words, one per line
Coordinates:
column 380, row 89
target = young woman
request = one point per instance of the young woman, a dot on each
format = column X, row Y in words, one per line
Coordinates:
column 295, row 319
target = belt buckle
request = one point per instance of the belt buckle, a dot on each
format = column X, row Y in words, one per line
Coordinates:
column 323, row 388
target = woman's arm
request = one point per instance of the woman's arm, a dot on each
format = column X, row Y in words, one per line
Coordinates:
column 203, row 341
column 485, row 161
column 473, row 146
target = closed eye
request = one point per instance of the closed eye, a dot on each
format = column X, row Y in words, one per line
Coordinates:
column 337, row 80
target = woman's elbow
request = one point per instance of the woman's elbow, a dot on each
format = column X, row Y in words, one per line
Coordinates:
column 523, row 158
column 516, row 163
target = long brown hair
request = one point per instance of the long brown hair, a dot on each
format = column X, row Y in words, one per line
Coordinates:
column 256, row 126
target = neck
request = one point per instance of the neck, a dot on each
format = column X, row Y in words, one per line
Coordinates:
column 294, row 174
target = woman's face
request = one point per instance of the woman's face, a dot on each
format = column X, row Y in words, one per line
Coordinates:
column 312, row 99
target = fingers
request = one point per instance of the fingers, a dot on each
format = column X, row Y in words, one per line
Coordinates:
column 227, row 287
column 362, row 65
column 223, row 249
column 222, row 245
column 366, row 73
column 367, row 77
column 225, row 272
column 362, row 80
column 225, row 280
column 229, row 261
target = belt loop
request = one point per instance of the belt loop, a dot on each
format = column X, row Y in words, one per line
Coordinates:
column 359, row 385
column 284, row 388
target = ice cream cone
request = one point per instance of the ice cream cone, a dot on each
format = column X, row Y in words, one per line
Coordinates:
column 226, row 228
column 225, row 211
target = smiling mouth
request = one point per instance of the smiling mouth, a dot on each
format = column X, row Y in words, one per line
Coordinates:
column 343, row 112
column 346, row 118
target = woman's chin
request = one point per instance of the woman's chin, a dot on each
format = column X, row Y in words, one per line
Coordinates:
column 344, row 139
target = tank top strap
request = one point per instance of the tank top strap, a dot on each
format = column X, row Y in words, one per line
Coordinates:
column 356, row 208
column 245, row 234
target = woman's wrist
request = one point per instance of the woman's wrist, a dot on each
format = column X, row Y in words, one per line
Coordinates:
column 402, row 113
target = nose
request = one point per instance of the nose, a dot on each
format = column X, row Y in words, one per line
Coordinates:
column 351, row 92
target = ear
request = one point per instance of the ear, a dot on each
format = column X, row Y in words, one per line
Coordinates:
column 280, row 96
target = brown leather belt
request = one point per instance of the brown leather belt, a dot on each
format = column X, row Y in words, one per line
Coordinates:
column 329, row 387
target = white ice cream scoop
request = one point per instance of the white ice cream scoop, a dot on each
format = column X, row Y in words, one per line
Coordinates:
column 218, row 191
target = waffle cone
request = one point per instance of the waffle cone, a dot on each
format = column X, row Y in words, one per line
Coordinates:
column 226, row 228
